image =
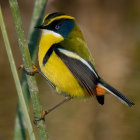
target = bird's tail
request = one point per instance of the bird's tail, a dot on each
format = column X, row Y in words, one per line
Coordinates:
column 114, row 92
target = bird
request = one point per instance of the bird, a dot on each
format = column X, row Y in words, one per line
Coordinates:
column 65, row 60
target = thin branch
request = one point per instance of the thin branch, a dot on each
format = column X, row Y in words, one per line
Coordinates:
column 16, row 78
column 38, row 11
column 33, row 35
column 28, row 66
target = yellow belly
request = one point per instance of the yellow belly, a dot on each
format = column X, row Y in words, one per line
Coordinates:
column 57, row 72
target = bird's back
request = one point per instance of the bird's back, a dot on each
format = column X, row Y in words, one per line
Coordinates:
column 75, row 42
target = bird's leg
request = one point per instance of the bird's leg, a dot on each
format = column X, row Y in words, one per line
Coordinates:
column 34, row 72
column 51, row 109
column 59, row 104
column 44, row 113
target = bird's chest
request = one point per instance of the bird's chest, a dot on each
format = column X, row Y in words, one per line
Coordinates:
column 51, row 65
column 57, row 72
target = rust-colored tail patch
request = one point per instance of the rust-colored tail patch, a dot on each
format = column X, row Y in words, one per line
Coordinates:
column 100, row 90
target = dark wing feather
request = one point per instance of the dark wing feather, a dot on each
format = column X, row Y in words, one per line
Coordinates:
column 85, row 76
column 100, row 99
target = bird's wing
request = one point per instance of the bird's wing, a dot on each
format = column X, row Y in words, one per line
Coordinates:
column 83, row 70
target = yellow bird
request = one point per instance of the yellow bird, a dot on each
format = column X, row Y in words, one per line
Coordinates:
column 66, row 61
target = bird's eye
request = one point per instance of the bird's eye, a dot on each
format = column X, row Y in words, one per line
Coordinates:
column 57, row 27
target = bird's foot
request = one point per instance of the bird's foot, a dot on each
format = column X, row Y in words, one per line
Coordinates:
column 44, row 113
column 32, row 73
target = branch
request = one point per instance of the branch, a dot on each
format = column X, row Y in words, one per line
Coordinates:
column 38, row 11
column 16, row 78
column 28, row 66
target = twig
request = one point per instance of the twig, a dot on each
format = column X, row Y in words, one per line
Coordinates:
column 16, row 78
column 38, row 11
column 28, row 66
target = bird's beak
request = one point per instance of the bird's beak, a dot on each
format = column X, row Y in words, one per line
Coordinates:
column 39, row 27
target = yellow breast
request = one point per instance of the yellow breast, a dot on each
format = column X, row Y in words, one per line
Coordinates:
column 56, row 71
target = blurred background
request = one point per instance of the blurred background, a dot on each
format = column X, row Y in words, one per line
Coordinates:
column 112, row 32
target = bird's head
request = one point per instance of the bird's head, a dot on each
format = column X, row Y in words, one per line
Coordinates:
column 58, row 23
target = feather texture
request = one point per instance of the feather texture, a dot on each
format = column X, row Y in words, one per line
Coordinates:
column 83, row 72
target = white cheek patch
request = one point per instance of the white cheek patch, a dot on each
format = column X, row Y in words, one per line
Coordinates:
column 45, row 31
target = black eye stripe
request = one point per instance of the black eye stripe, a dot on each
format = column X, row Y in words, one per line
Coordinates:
column 61, row 26
column 57, row 22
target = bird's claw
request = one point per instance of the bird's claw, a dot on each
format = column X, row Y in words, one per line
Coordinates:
column 32, row 73
column 44, row 113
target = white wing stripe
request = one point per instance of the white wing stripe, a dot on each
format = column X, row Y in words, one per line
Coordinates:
column 75, row 56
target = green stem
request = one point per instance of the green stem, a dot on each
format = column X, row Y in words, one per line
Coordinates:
column 16, row 78
column 33, row 35
column 28, row 66
column 38, row 11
